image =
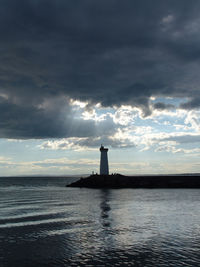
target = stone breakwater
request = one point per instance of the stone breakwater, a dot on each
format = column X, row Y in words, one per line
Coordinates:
column 121, row 181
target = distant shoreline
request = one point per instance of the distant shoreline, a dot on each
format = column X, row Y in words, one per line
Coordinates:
column 78, row 176
column 137, row 181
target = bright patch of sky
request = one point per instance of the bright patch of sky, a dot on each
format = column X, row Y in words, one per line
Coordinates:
column 165, row 141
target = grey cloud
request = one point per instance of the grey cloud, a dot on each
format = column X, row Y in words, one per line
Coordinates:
column 182, row 139
column 91, row 142
column 106, row 140
column 163, row 106
column 191, row 104
column 111, row 52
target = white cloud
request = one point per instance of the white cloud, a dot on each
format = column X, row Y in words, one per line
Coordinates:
column 76, row 144
column 125, row 115
column 92, row 115
column 193, row 119
column 78, row 104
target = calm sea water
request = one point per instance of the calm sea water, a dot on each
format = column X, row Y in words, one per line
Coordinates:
column 43, row 223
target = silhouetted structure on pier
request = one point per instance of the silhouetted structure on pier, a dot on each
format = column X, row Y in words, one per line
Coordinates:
column 104, row 170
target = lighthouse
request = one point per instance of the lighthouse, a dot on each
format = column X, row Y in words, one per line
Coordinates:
column 104, row 161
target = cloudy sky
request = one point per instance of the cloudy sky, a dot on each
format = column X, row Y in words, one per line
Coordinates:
column 75, row 74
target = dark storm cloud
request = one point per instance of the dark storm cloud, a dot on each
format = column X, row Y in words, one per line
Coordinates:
column 113, row 52
column 163, row 106
column 25, row 122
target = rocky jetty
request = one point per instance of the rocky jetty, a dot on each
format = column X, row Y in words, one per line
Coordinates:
column 121, row 181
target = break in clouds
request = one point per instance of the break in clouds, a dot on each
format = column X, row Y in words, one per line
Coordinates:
column 110, row 53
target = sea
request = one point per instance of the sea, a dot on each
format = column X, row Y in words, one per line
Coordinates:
column 44, row 223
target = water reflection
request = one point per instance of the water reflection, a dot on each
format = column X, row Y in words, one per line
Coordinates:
column 105, row 209
column 107, row 236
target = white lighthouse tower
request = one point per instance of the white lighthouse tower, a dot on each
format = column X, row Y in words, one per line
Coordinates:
column 104, row 161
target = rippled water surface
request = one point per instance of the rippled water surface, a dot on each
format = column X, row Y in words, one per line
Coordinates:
column 43, row 223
